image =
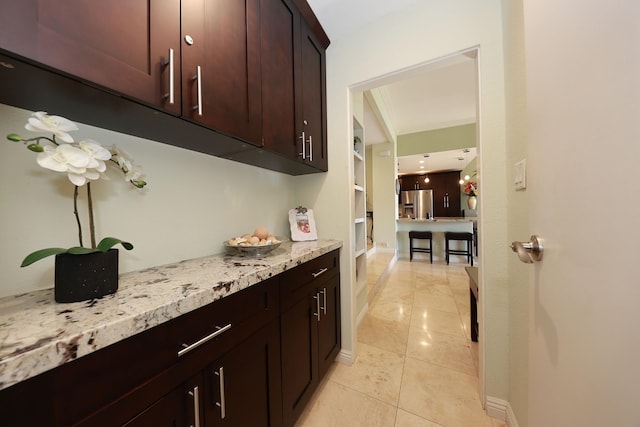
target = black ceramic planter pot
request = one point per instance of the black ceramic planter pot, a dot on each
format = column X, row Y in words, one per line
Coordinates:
column 84, row 277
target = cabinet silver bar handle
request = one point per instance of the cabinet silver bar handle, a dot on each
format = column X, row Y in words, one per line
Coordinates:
column 196, row 406
column 169, row 62
column 310, row 148
column 317, row 313
column 188, row 347
column 198, row 77
column 319, row 272
column 222, row 405
column 324, row 301
column 304, row 148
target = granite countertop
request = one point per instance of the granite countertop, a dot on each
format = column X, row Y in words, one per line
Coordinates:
column 37, row 334
column 438, row 219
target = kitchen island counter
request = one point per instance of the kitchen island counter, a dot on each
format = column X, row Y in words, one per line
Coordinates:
column 37, row 334
column 438, row 226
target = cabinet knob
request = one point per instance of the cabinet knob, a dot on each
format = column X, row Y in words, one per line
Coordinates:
column 188, row 40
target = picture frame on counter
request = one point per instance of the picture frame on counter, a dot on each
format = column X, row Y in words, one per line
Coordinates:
column 303, row 224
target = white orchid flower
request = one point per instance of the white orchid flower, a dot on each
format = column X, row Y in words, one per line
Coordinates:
column 57, row 125
column 63, row 158
column 97, row 152
column 80, row 165
column 132, row 172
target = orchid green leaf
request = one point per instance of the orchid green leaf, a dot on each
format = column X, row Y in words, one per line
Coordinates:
column 108, row 242
column 79, row 250
column 42, row 253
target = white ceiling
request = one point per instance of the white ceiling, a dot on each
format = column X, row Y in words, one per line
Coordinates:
column 340, row 17
column 438, row 95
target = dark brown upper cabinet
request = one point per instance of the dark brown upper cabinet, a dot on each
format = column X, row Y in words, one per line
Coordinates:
column 239, row 79
column 293, row 85
column 120, row 45
column 446, row 191
column 221, row 85
column 312, row 99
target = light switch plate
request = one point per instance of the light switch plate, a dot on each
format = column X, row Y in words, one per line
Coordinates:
column 520, row 174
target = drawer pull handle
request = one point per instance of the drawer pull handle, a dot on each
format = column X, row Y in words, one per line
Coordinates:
column 198, row 78
column 324, row 301
column 304, row 152
column 222, row 405
column 319, row 272
column 187, row 348
column 196, row 406
column 169, row 62
column 317, row 313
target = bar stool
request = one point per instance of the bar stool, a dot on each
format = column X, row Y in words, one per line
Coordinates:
column 466, row 237
column 422, row 235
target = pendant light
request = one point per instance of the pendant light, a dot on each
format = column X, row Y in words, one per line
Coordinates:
column 426, row 177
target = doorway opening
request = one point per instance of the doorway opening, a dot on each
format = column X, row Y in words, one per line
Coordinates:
column 432, row 107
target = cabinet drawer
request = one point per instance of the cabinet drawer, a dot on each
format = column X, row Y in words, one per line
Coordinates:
column 292, row 282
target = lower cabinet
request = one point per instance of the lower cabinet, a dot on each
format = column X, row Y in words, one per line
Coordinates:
column 250, row 359
column 241, row 388
column 310, row 331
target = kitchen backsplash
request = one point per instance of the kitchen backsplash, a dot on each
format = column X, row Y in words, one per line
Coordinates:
column 193, row 202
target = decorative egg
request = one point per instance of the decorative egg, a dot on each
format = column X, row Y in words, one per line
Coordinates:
column 254, row 240
column 261, row 233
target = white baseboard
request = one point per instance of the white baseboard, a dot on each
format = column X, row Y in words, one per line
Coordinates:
column 362, row 313
column 496, row 408
column 345, row 357
column 511, row 417
column 385, row 250
column 501, row 409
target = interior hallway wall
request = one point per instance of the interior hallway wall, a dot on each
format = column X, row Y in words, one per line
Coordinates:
column 423, row 32
column 518, row 208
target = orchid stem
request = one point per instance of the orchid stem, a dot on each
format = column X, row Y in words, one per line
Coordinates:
column 92, row 229
column 75, row 212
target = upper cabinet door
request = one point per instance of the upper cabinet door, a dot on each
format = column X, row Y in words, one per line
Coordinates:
column 293, row 85
column 121, row 45
column 312, row 98
column 280, row 29
column 221, row 66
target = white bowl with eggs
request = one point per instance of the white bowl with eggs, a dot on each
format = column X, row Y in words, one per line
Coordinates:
column 258, row 244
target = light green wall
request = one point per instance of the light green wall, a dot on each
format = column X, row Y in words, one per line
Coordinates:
column 193, row 202
column 385, row 202
column 369, row 172
column 444, row 139
column 519, row 290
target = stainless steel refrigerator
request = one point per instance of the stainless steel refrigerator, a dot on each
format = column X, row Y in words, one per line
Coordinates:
column 417, row 204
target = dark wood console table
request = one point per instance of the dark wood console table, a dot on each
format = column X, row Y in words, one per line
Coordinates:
column 473, row 300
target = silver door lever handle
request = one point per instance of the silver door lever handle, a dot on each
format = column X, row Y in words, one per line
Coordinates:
column 530, row 251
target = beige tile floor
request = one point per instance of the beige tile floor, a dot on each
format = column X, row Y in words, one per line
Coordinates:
column 416, row 365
